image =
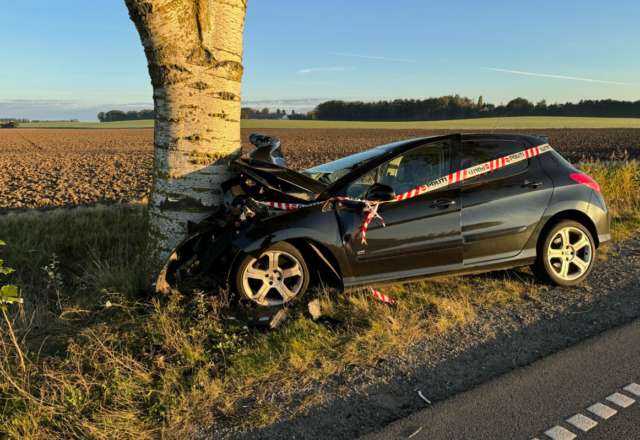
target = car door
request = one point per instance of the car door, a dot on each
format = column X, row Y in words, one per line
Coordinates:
column 420, row 235
column 500, row 210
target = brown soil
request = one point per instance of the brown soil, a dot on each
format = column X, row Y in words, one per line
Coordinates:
column 46, row 169
column 56, row 168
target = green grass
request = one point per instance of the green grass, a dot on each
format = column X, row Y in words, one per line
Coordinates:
column 520, row 123
column 620, row 185
column 108, row 359
column 515, row 123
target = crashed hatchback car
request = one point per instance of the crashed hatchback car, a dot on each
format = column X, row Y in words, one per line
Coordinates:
column 280, row 230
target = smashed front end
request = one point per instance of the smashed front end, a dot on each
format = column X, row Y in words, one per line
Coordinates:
column 263, row 177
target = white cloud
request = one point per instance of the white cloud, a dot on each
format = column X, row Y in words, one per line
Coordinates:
column 326, row 69
column 557, row 76
column 299, row 105
column 62, row 109
column 370, row 57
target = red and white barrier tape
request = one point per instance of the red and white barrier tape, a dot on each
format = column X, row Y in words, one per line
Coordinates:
column 382, row 297
column 460, row 176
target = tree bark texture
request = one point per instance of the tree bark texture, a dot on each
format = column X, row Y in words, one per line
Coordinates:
column 194, row 53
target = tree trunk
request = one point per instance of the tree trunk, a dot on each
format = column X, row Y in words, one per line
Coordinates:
column 194, row 52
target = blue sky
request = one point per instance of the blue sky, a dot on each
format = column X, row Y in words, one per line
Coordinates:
column 73, row 58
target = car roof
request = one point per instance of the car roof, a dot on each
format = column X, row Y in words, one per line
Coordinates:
column 535, row 140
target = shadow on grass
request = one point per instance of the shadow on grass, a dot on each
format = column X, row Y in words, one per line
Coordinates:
column 125, row 363
column 453, row 362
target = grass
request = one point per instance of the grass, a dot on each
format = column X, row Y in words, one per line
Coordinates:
column 515, row 123
column 620, row 185
column 108, row 359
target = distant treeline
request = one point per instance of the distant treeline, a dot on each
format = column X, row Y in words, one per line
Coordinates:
column 20, row 120
column 119, row 115
column 15, row 122
column 457, row 107
column 54, row 120
column 246, row 111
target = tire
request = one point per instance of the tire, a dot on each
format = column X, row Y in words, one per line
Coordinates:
column 278, row 277
column 566, row 254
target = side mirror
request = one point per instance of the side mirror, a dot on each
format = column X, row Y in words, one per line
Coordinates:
column 380, row 192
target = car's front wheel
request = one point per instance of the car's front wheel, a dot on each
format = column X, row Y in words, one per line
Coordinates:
column 276, row 278
column 567, row 254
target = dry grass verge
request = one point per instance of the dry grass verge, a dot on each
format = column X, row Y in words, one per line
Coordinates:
column 620, row 185
column 106, row 359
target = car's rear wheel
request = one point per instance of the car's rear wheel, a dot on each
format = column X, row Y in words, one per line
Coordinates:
column 566, row 255
column 276, row 278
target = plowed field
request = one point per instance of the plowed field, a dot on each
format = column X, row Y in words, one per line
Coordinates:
column 45, row 169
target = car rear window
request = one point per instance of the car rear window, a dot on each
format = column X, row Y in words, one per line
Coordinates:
column 479, row 152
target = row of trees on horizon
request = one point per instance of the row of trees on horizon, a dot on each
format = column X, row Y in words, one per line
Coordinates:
column 430, row 109
column 18, row 120
column 246, row 111
column 15, row 122
column 457, row 107
column 119, row 115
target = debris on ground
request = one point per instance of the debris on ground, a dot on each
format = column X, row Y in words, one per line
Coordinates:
column 314, row 309
column 424, row 398
column 411, row 431
column 268, row 319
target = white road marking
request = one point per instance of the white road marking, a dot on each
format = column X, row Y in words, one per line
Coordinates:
column 620, row 400
column 633, row 388
column 602, row 411
column 581, row 422
column 559, row 433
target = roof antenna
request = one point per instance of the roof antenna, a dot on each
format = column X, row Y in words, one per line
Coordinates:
column 494, row 127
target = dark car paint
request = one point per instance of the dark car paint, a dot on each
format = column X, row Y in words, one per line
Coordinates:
column 317, row 225
column 500, row 215
column 410, row 247
column 418, row 237
column 281, row 179
column 528, row 213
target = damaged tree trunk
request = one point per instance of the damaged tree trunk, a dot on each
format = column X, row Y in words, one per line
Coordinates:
column 194, row 53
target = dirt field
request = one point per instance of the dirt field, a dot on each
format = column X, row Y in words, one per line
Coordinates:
column 60, row 168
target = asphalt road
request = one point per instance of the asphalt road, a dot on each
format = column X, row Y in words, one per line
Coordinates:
column 527, row 402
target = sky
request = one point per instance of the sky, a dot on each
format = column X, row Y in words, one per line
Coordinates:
column 67, row 59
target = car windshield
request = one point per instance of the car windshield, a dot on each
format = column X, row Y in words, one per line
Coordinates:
column 334, row 171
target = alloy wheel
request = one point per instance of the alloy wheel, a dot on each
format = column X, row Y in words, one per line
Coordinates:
column 570, row 253
column 273, row 279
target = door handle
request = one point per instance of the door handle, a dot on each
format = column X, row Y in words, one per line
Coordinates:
column 530, row 184
column 442, row 204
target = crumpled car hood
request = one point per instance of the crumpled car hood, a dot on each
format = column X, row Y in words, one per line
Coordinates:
column 265, row 166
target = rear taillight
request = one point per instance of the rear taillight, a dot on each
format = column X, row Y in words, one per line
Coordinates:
column 586, row 180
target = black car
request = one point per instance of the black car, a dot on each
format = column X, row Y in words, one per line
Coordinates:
column 281, row 229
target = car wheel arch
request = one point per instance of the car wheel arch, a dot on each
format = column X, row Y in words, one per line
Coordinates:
column 320, row 257
column 574, row 215
column 316, row 254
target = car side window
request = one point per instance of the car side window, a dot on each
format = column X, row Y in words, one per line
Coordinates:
column 482, row 151
column 417, row 167
column 359, row 188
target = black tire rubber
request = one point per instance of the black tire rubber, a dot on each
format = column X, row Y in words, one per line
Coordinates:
column 542, row 268
column 281, row 246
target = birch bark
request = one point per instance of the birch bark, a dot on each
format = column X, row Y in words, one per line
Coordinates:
column 194, row 54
